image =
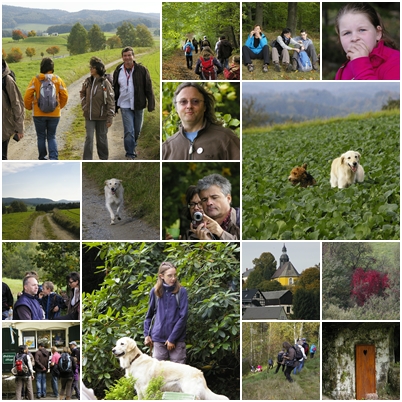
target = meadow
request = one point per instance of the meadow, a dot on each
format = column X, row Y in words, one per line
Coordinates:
column 17, row 226
column 68, row 219
column 270, row 386
column 274, row 209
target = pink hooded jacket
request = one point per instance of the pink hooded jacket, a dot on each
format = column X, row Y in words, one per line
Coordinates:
column 383, row 63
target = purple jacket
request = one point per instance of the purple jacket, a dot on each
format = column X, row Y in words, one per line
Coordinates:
column 32, row 308
column 383, row 63
column 170, row 320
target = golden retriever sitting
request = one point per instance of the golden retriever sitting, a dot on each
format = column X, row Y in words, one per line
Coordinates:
column 346, row 170
column 300, row 175
column 177, row 377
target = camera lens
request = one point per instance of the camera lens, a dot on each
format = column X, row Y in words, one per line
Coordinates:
column 197, row 216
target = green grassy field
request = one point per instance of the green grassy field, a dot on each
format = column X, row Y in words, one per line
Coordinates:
column 15, row 286
column 17, row 226
column 274, row 209
column 270, row 386
column 72, row 214
column 68, row 220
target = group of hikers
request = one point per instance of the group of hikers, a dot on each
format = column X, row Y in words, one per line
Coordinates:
column 290, row 357
column 212, row 62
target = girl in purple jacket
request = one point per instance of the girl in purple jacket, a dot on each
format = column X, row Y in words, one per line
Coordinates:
column 166, row 319
column 371, row 53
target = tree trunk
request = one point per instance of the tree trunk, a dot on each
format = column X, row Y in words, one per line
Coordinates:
column 259, row 14
column 292, row 17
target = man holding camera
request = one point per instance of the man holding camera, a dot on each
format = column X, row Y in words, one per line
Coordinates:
column 220, row 221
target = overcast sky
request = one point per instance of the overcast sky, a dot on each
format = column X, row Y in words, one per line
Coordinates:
column 302, row 254
column 55, row 180
column 75, row 5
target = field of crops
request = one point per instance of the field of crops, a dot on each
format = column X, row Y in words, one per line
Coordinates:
column 274, row 209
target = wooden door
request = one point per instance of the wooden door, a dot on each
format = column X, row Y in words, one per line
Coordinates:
column 365, row 371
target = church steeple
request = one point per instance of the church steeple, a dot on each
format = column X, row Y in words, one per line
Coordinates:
column 284, row 257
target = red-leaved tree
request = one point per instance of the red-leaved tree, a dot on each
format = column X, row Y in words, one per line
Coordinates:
column 368, row 283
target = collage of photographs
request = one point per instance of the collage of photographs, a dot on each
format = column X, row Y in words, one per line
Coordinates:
column 201, row 200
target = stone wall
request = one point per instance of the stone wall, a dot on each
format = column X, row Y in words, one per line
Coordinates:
column 339, row 341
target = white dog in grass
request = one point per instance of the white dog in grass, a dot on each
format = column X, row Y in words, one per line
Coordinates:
column 346, row 170
column 114, row 192
column 176, row 377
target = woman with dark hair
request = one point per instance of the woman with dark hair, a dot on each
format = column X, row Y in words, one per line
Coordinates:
column 46, row 95
column 97, row 101
column 73, row 303
column 201, row 135
column 371, row 53
column 166, row 319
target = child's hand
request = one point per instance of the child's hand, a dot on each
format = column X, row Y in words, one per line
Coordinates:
column 357, row 49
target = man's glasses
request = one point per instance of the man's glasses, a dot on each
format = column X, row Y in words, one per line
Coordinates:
column 194, row 102
column 195, row 204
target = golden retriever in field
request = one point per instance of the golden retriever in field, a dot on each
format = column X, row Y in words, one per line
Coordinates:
column 177, row 377
column 346, row 170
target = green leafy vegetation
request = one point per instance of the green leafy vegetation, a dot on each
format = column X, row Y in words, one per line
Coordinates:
column 341, row 261
column 117, row 307
column 274, row 209
column 69, row 220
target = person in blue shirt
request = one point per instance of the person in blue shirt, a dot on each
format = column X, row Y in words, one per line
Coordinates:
column 166, row 320
column 256, row 47
column 188, row 52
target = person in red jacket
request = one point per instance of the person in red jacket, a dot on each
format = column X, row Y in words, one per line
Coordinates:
column 371, row 53
column 46, row 122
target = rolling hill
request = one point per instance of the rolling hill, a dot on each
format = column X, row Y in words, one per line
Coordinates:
column 33, row 201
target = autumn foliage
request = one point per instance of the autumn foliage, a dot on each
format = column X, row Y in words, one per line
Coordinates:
column 368, row 283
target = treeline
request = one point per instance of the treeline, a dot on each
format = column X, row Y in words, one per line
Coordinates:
column 361, row 281
column 61, row 205
column 15, row 206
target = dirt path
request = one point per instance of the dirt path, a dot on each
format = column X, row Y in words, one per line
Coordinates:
column 175, row 68
column 38, row 231
column 96, row 219
column 27, row 148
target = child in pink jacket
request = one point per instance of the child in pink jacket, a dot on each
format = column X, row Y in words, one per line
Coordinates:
column 371, row 53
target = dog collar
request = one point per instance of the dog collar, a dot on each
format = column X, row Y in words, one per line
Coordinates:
column 135, row 358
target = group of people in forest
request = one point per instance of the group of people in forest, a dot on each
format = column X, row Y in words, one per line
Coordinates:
column 212, row 62
column 370, row 52
column 129, row 90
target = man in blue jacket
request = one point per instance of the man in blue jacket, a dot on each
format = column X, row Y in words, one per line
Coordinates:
column 256, row 47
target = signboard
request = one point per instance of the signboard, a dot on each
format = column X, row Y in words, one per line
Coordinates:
column 8, row 358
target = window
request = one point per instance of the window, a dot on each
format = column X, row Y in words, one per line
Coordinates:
column 290, row 281
column 48, row 337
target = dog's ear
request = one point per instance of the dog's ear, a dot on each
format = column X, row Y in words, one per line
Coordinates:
column 106, row 181
column 131, row 344
column 358, row 155
column 304, row 166
column 342, row 158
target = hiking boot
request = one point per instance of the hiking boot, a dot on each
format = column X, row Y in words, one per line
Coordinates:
column 265, row 68
column 277, row 67
column 250, row 68
column 294, row 64
column 316, row 66
column 288, row 67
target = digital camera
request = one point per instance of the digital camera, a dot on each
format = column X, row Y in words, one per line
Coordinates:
column 197, row 219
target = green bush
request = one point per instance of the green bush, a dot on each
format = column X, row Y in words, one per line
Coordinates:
column 209, row 272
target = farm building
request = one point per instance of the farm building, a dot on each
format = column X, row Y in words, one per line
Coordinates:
column 264, row 313
column 359, row 359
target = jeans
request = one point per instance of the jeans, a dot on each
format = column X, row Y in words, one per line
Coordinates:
column 55, row 386
column 299, row 367
column 46, row 131
column 41, row 383
column 100, row 128
column 132, row 123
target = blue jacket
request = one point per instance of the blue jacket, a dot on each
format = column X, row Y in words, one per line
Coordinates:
column 191, row 47
column 170, row 320
column 258, row 49
column 32, row 303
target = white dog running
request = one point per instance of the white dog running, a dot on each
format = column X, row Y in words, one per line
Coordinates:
column 114, row 192
column 346, row 170
column 177, row 377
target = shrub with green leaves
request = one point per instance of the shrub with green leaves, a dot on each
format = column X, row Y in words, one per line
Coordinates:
column 209, row 272
column 274, row 209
